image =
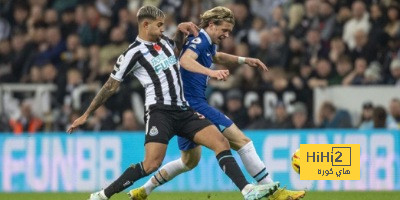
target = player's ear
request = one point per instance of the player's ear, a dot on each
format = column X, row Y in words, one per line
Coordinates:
column 146, row 24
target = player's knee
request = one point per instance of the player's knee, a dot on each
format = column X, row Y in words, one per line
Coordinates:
column 243, row 141
column 191, row 162
column 150, row 167
column 223, row 144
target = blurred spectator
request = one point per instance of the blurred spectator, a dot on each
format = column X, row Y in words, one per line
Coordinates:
column 113, row 49
column 366, row 115
column 52, row 49
column 322, row 74
column 278, row 18
column 343, row 67
column 20, row 54
column 281, row 117
column 314, row 48
column 357, row 76
column 235, row 110
column 380, row 119
column 129, row 122
column 362, row 48
column 295, row 15
column 342, row 17
column 102, row 120
column 68, row 25
column 249, row 78
column 392, row 28
column 331, row 117
column 51, row 17
column 6, row 71
column 295, row 54
column 310, row 20
column 395, row 73
column 5, row 29
column 256, row 117
column 326, row 20
column 373, row 74
column 394, row 109
column 27, row 121
column 299, row 117
column 88, row 21
column 20, row 16
column 243, row 17
column 337, row 49
column 358, row 22
column 277, row 49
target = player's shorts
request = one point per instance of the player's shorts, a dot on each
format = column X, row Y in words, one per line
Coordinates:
column 220, row 120
column 165, row 121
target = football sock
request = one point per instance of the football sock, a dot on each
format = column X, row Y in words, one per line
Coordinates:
column 231, row 168
column 166, row 173
column 132, row 174
column 253, row 164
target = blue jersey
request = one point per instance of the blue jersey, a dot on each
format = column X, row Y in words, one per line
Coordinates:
column 195, row 84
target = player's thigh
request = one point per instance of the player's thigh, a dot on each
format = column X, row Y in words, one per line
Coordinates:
column 154, row 155
column 159, row 127
column 237, row 139
column 191, row 157
column 211, row 138
column 220, row 120
column 200, row 130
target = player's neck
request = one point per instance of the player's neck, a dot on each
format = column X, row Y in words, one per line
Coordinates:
column 144, row 36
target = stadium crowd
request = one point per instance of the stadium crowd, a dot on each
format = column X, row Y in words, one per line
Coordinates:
column 305, row 43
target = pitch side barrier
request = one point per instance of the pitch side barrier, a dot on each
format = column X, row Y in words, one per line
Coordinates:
column 89, row 161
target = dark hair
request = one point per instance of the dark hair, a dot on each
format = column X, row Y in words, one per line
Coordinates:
column 379, row 117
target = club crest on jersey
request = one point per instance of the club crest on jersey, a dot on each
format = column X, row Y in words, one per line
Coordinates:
column 196, row 40
column 153, row 131
column 162, row 62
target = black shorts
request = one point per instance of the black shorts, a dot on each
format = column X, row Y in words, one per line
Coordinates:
column 165, row 121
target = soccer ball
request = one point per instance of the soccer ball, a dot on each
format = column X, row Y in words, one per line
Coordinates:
column 296, row 161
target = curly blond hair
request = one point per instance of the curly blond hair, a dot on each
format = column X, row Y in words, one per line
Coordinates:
column 217, row 15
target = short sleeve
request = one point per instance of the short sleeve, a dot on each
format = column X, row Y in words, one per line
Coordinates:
column 126, row 63
column 196, row 44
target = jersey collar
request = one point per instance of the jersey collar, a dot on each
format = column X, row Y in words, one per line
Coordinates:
column 207, row 36
column 144, row 41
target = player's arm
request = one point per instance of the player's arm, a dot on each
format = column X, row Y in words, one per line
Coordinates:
column 188, row 61
column 232, row 60
column 184, row 29
column 108, row 89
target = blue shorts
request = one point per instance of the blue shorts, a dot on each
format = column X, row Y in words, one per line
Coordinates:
column 220, row 120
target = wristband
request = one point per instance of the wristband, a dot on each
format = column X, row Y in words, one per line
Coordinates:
column 241, row 60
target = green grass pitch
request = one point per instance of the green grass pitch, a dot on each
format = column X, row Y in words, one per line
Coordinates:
column 204, row 195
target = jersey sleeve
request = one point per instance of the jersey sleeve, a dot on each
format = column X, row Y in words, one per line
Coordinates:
column 196, row 44
column 126, row 63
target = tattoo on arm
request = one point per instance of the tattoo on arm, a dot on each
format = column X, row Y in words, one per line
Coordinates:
column 108, row 89
column 179, row 39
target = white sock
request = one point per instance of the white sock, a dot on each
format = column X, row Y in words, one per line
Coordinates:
column 102, row 195
column 171, row 169
column 253, row 164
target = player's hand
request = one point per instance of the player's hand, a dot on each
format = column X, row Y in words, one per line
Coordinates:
column 220, row 75
column 188, row 27
column 78, row 122
column 254, row 62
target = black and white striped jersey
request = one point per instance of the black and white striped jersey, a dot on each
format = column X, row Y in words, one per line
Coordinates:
column 157, row 69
